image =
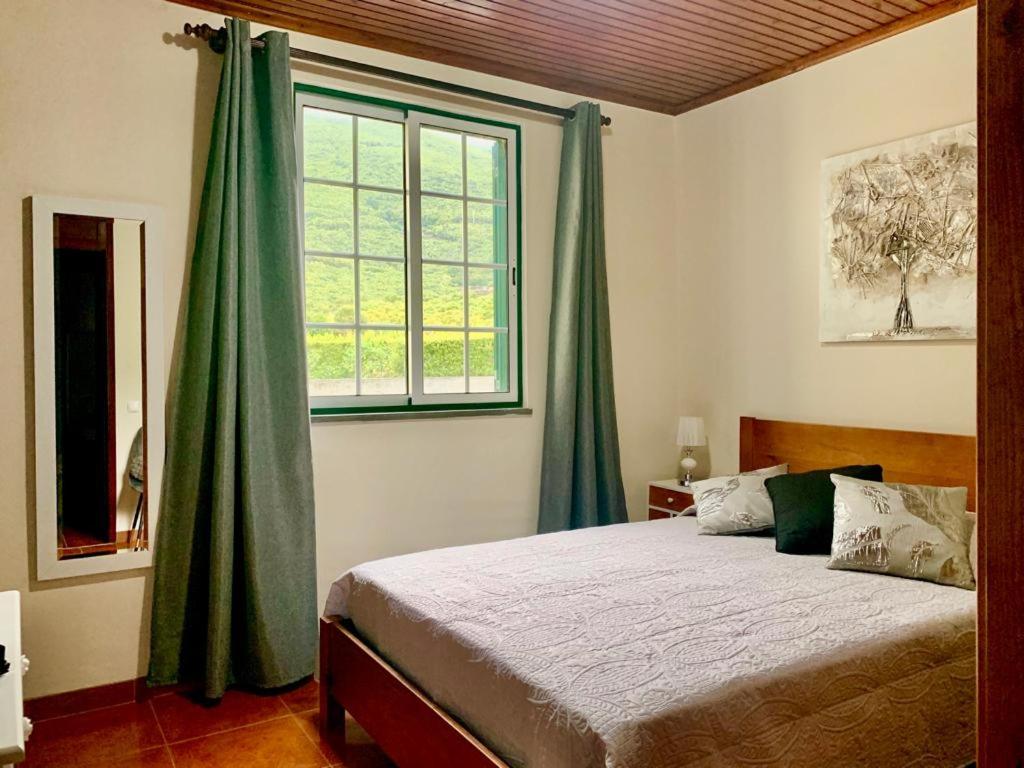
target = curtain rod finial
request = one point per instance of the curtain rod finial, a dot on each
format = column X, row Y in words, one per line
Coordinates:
column 216, row 38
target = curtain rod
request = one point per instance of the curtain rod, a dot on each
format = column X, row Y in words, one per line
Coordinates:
column 217, row 40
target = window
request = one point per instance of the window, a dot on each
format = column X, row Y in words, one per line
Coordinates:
column 410, row 243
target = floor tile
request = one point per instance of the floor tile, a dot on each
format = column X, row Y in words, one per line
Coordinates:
column 308, row 721
column 359, row 749
column 151, row 758
column 186, row 716
column 98, row 736
column 273, row 744
column 302, row 698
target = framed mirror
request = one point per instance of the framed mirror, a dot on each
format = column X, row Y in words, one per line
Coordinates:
column 99, row 384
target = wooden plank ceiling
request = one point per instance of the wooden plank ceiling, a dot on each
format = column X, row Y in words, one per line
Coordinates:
column 664, row 55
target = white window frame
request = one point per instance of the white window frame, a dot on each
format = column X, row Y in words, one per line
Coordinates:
column 358, row 109
column 413, row 120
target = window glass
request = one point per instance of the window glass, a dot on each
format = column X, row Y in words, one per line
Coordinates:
column 403, row 312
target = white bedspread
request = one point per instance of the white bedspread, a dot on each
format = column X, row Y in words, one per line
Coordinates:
column 647, row 646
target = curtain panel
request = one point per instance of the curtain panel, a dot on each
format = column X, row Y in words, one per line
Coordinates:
column 234, row 595
column 581, row 481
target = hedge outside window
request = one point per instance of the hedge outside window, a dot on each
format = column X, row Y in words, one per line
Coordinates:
column 410, row 245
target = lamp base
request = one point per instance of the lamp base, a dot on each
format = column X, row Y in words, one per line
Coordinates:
column 688, row 464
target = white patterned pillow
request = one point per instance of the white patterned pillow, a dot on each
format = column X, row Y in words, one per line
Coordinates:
column 916, row 531
column 736, row 503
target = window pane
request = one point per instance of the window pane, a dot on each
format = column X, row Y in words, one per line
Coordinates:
column 443, row 296
column 356, row 264
column 382, row 362
column 488, row 233
column 488, row 362
column 381, row 223
column 381, row 153
column 440, row 161
column 330, row 290
column 331, row 356
column 382, row 293
column 327, row 145
column 485, row 286
column 443, row 362
column 441, row 228
column 485, row 167
column 328, row 218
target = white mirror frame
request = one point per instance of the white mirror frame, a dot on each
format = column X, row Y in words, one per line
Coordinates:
column 48, row 566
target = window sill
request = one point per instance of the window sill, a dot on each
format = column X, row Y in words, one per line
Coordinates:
column 318, row 418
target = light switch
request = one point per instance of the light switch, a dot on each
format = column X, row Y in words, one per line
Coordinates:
column 134, row 406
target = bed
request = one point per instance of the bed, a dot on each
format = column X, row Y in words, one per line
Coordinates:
column 646, row 645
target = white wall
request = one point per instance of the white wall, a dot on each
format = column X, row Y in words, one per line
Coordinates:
column 749, row 212
column 99, row 100
column 128, row 358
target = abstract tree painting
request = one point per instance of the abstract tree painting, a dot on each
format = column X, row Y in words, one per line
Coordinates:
column 900, row 239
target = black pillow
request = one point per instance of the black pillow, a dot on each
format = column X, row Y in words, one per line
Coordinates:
column 803, row 503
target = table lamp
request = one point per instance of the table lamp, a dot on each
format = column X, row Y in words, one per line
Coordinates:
column 690, row 435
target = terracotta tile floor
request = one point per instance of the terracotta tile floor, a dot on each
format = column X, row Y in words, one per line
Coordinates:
column 175, row 730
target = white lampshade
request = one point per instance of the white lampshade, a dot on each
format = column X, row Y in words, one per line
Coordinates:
column 691, row 432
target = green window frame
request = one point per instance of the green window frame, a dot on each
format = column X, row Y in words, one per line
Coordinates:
column 458, row 354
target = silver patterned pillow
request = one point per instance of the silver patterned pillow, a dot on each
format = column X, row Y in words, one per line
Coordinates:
column 736, row 503
column 916, row 531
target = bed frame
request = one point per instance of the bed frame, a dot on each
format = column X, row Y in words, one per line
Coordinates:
column 416, row 733
column 412, row 730
column 919, row 458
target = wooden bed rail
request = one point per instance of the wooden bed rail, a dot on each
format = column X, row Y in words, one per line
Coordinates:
column 409, row 727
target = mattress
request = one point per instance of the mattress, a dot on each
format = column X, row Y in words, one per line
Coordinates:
column 647, row 645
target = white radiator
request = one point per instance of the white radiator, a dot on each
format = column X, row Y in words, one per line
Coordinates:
column 14, row 726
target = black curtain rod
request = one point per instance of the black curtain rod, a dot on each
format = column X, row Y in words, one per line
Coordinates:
column 217, row 39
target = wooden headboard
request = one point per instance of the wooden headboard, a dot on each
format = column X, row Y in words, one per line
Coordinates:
column 921, row 458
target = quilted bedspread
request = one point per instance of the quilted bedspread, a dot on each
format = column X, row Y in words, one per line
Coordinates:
column 646, row 645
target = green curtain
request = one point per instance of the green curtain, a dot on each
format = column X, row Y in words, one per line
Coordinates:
column 234, row 594
column 581, row 482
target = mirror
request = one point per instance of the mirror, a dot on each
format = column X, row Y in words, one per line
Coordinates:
column 99, row 367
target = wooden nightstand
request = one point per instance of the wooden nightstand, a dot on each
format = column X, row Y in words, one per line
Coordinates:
column 667, row 498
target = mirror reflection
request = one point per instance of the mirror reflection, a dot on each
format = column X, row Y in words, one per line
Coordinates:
column 99, row 339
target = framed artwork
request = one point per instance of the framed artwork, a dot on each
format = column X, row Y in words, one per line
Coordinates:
column 899, row 240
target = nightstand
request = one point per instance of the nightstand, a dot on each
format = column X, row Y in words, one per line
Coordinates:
column 667, row 498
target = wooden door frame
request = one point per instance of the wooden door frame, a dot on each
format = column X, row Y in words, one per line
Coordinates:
column 1000, row 383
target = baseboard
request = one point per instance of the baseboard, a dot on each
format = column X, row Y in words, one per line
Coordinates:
column 97, row 697
column 72, row 702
